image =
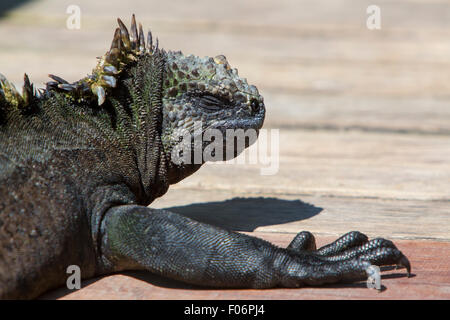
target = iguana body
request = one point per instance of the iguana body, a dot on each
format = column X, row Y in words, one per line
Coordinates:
column 80, row 162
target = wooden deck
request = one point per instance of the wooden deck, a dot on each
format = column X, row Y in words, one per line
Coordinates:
column 363, row 117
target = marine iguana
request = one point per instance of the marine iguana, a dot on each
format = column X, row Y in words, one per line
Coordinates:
column 80, row 162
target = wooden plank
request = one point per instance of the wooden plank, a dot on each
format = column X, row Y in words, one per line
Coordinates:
column 428, row 260
column 405, row 13
column 282, row 213
column 408, row 115
column 350, row 164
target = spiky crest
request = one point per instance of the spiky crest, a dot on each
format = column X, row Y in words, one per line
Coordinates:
column 125, row 47
column 10, row 97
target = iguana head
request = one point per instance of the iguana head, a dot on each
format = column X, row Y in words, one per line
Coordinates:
column 195, row 95
column 205, row 95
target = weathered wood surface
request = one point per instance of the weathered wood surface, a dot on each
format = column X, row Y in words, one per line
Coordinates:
column 364, row 120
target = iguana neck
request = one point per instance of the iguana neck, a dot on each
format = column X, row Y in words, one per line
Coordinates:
column 137, row 101
column 141, row 90
column 140, row 96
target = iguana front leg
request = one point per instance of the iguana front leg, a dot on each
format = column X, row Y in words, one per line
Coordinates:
column 168, row 244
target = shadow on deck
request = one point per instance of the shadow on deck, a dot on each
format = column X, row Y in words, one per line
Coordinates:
column 247, row 214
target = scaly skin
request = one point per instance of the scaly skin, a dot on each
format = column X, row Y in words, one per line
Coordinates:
column 80, row 162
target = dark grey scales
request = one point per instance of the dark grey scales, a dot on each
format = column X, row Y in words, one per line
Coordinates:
column 80, row 162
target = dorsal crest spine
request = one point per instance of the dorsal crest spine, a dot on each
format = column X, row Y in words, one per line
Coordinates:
column 10, row 95
column 125, row 47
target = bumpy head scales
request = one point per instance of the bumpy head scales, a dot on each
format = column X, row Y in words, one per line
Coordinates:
column 126, row 46
column 210, row 93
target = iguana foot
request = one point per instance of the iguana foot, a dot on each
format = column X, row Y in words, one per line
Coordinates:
column 347, row 257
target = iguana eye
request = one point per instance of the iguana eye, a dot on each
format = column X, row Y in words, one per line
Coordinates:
column 211, row 103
